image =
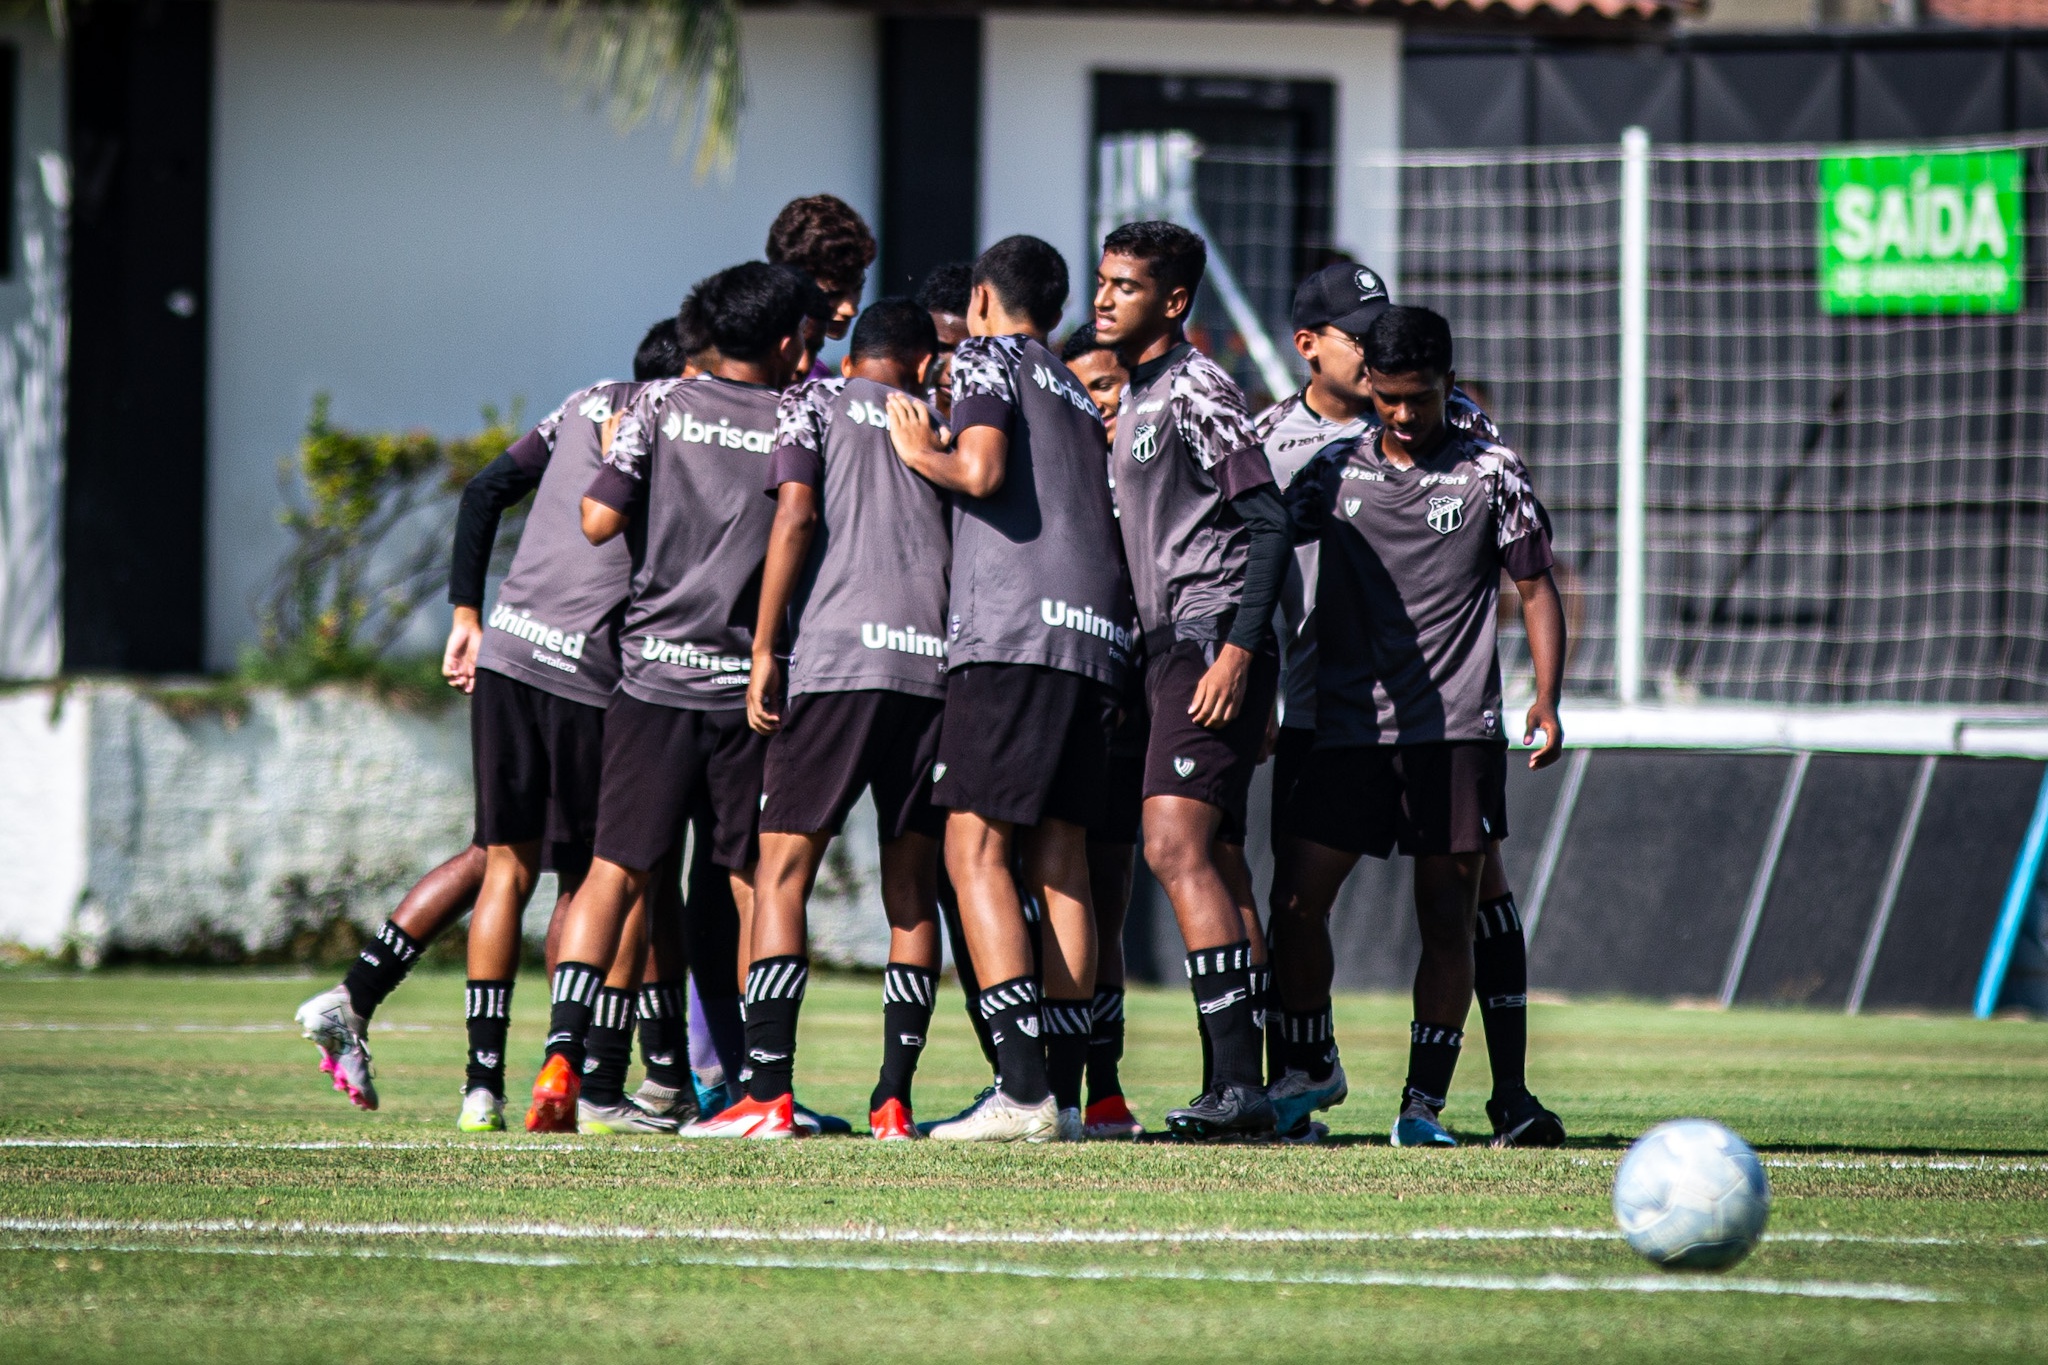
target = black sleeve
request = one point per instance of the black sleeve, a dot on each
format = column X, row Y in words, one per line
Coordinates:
column 497, row 486
column 1265, row 568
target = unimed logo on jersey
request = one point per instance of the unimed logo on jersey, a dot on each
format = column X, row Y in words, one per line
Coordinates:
column 1085, row 620
column 908, row 640
column 731, row 668
column 1446, row 515
column 537, row 632
column 1145, row 442
column 683, row 426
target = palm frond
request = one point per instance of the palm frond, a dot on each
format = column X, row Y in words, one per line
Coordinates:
column 673, row 61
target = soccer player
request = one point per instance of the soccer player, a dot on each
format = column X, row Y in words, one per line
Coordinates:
column 822, row 236
column 338, row 1019
column 683, row 476
column 944, row 295
column 856, row 571
column 1417, row 519
column 1034, row 654
column 1206, row 537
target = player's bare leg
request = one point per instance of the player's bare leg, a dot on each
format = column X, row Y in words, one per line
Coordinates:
column 590, row 938
column 1054, row 868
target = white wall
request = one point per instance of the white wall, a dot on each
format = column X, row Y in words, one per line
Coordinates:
column 409, row 214
column 1038, row 111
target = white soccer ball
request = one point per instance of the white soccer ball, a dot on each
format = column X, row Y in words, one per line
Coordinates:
column 1691, row 1195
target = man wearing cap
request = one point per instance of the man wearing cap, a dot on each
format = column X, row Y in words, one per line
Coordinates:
column 1332, row 310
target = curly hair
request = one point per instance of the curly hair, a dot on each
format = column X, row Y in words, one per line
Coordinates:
column 821, row 235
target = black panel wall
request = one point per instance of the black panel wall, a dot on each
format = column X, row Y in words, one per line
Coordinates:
column 931, row 140
column 1648, row 895
column 1830, row 871
column 1970, row 835
column 135, row 475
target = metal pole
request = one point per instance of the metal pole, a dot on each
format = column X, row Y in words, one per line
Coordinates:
column 1630, row 409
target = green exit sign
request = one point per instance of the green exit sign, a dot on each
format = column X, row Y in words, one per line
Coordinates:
column 1922, row 232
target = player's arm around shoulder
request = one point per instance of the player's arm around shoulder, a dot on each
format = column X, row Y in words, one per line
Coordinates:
column 796, row 471
column 621, row 483
column 1524, row 544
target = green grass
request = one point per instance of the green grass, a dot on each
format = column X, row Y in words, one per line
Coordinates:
column 1917, row 1144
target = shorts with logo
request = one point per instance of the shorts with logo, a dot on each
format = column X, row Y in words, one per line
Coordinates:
column 1023, row 743
column 1186, row 759
column 657, row 762
column 1450, row 796
column 536, row 758
column 834, row 745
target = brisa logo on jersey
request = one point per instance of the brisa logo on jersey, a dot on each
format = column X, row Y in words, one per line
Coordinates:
column 868, row 414
column 684, row 426
column 597, row 407
column 732, row 669
column 1052, row 383
column 526, row 627
column 1085, row 620
column 908, row 640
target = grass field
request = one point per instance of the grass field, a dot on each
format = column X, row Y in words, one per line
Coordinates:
column 176, row 1183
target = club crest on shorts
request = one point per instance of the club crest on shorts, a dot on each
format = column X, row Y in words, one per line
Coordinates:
column 1184, row 766
column 1446, row 515
column 1351, row 506
column 1145, row 442
column 938, row 772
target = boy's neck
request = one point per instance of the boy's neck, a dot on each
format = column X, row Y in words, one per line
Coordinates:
column 757, row 372
column 1332, row 407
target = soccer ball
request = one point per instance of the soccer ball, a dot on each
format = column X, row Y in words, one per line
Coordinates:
column 1690, row 1195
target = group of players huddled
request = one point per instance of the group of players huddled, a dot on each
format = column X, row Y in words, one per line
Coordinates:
column 1038, row 600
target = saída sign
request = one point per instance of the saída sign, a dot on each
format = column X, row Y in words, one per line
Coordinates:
column 1922, row 232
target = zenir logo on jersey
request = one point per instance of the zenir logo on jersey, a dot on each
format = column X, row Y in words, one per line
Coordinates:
column 1145, row 442
column 1446, row 515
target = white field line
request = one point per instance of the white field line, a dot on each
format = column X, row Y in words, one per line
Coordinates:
column 1985, row 1165
column 1386, row 1279
column 873, row 1235
column 376, row 1026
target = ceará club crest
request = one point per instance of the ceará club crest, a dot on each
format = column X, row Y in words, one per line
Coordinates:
column 1446, row 515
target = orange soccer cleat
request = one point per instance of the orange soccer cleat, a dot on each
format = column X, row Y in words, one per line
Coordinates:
column 1109, row 1119
column 891, row 1123
column 555, row 1092
column 750, row 1118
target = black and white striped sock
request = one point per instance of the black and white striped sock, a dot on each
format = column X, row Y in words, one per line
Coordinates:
column 1310, row 1040
column 664, row 1022
column 487, row 1016
column 1068, row 1026
column 574, row 998
column 608, row 1047
column 908, row 993
column 1222, row 984
column 1500, row 978
column 1012, row 1011
column 775, row 996
column 1105, row 1044
column 1432, row 1060
column 377, row 971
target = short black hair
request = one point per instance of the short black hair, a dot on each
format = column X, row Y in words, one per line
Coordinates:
column 1029, row 275
column 659, row 357
column 1081, row 343
column 693, row 337
column 1176, row 257
column 1409, row 341
column 894, row 329
column 947, row 288
column 748, row 309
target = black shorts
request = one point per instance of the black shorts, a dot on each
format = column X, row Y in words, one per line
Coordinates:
column 1424, row 799
column 655, row 759
column 1290, row 753
column 1023, row 743
column 834, row 745
column 1123, row 801
column 537, row 759
column 1186, row 759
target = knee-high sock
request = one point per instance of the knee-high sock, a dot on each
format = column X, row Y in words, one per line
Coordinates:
column 1500, row 978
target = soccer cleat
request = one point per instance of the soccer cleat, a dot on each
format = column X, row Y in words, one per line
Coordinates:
column 1417, row 1127
column 331, row 1021
column 1109, row 1119
column 998, row 1118
column 1295, row 1097
column 749, row 1118
column 625, row 1118
column 891, row 1123
column 1522, row 1121
column 926, row 1127
column 555, row 1092
column 482, row 1112
column 712, row 1096
column 1069, row 1127
column 1226, row 1111
column 819, row 1125
column 1309, row 1134
column 667, row 1102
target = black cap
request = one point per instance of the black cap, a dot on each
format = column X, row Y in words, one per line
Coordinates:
column 1346, row 296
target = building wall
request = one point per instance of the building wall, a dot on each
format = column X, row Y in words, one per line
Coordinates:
column 32, row 354
column 411, row 215
column 1037, row 116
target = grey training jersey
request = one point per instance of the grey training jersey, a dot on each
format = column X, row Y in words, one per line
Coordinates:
column 870, row 609
column 556, row 622
column 1409, row 580
column 1036, row 572
column 1184, row 448
column 1293, row 433
column 687, row 466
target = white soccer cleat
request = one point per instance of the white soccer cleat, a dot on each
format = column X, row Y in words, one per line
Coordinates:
column 998, row 1118
column 331, row 1022
column 482, row 1112
column 625, row 1118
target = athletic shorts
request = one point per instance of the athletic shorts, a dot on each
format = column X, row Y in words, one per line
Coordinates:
column 1023, row 743
column 1424, row 799
column 1186, row 759
column 655, row 760
column 834, row 745
column 1290, row 752
column 537, row 759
